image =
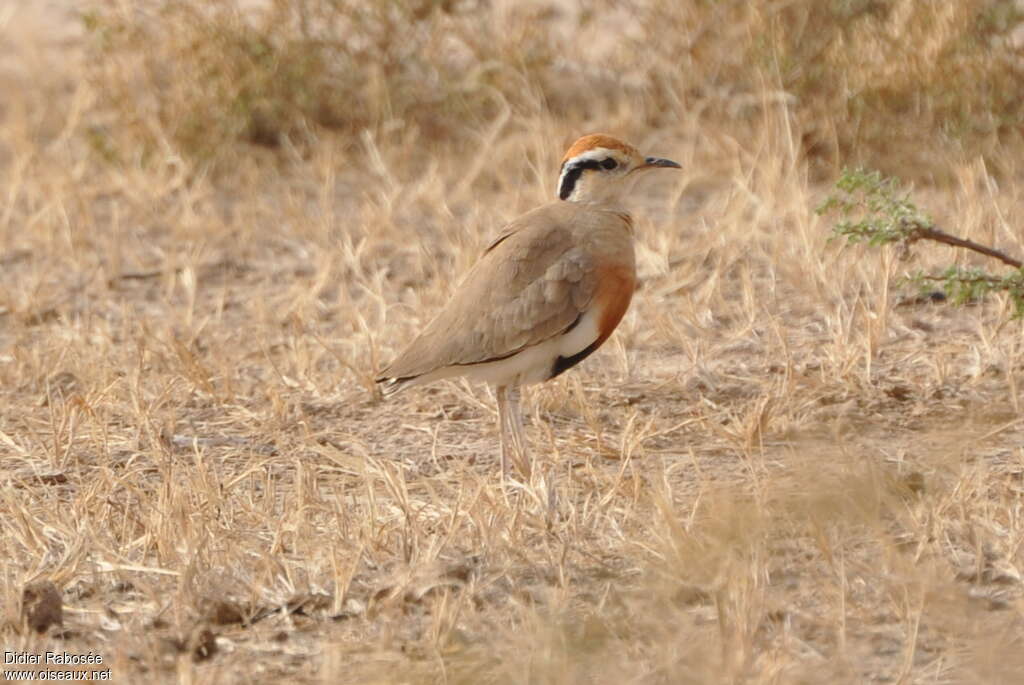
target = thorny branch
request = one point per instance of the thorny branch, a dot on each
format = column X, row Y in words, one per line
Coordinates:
column 876, row 210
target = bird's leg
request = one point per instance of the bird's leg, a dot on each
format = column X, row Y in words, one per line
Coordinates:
column 518, row 435
column 526, row 463
column 501, row 393
column 510, row 423
column 514, row 445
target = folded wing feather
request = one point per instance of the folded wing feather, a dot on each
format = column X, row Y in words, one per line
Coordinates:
column 533, row 283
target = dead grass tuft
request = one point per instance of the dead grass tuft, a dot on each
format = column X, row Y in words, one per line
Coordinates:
column 193, row 78
column 860, row 80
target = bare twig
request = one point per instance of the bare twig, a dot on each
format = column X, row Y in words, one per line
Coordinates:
column 931, row 233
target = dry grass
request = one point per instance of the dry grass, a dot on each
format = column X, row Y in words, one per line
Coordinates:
column 781, row 469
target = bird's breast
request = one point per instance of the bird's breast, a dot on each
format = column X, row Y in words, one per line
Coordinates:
column 615, row 285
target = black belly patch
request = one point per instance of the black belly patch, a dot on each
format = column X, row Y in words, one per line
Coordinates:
column 563, row 364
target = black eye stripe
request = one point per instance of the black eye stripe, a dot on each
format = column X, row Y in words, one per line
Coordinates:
column 572, row 173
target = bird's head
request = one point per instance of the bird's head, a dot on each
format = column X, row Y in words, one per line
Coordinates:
column 600, row 168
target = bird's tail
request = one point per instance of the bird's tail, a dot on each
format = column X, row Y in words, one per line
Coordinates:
column 393, row 386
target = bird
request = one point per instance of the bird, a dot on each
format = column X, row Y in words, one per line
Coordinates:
column 548, row 290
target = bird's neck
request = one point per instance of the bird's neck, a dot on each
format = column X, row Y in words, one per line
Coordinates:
column 603, row 205
column 602, row 197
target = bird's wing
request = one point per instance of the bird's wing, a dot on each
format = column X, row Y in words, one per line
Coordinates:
column 532, row 283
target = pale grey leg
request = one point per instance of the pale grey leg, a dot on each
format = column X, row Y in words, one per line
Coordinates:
column 501, row 392
column 510, row 423
column 518, row 434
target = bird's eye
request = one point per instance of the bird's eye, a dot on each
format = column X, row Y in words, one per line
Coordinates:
column 609, row 163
